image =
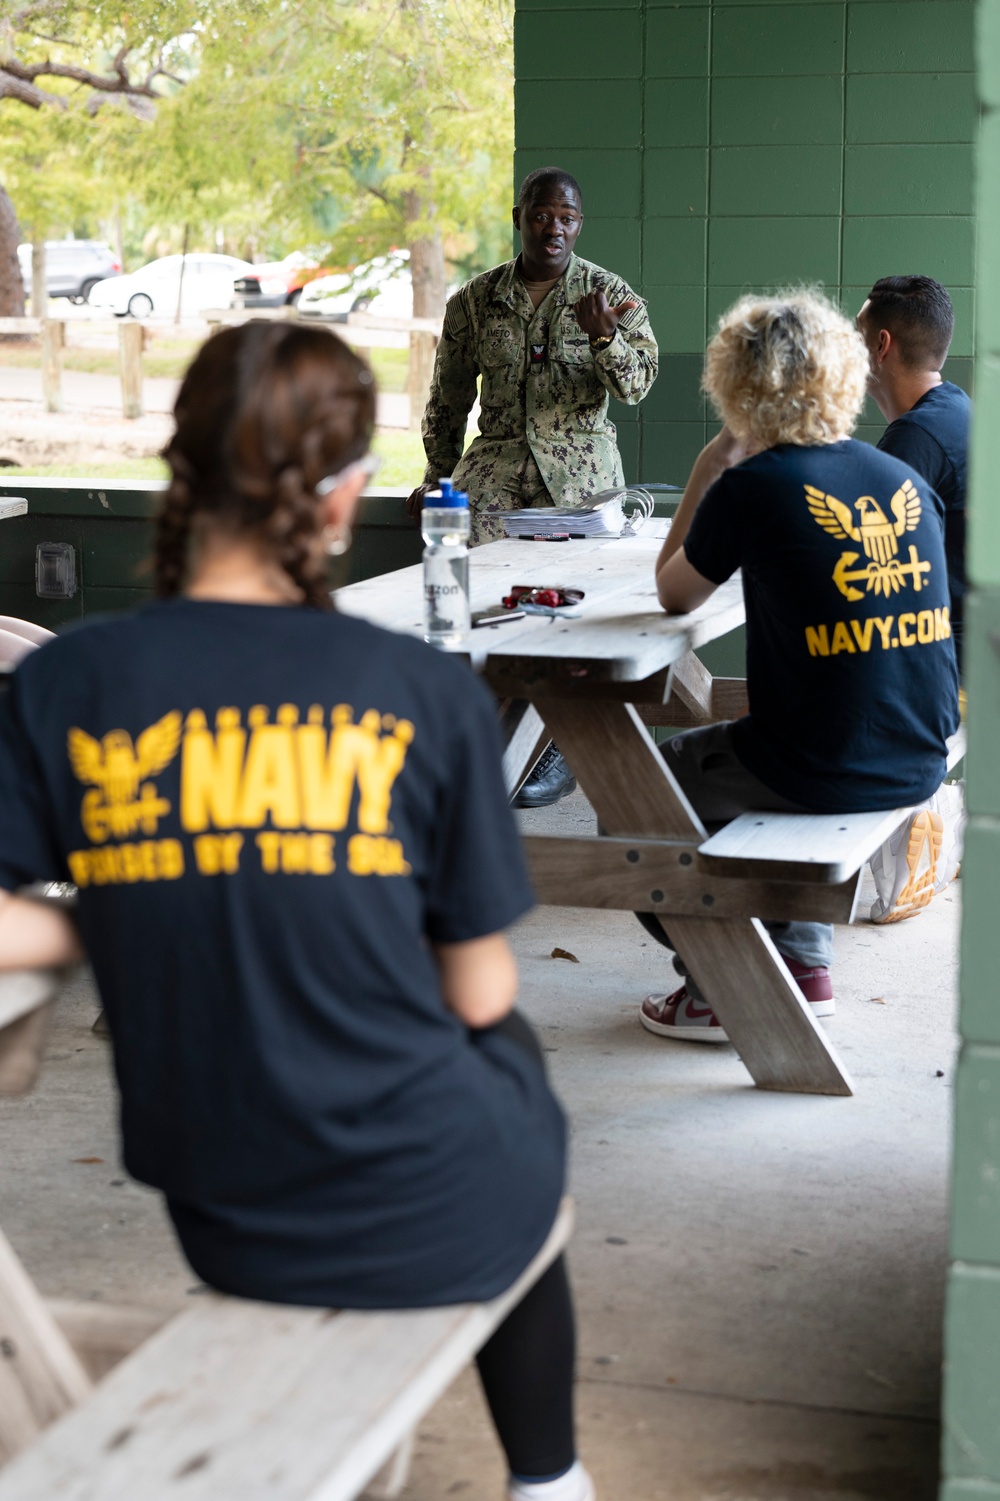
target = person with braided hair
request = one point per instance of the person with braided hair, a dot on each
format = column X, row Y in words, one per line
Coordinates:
column 295, row 863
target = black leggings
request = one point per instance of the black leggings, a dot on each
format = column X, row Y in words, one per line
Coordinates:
column 526, row 1367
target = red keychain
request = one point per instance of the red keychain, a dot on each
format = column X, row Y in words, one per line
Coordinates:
column 552, row 597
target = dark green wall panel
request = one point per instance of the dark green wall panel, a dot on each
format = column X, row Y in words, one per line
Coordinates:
column 669, row 449
column 767, row 143
column 755, row 41
column 112, row 548
column 558, row 113
column 677, row 396
column 574, row 44
column 760, row 252
column 675, row 181
column 677, row 314
column 777, row 111
column 939, row 247
column 673, row 251
column 773, row 180
column 677, row 42
column 911, row 36
column 911, row 107
column 908, row 180
column 676, row 112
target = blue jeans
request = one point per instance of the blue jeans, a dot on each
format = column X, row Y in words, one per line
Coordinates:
column 719, row 788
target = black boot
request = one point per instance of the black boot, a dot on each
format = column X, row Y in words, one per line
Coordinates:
column 550, row 780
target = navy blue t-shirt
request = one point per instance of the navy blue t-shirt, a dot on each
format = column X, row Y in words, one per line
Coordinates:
column 933, row 438
column 271, row 814
column 850, row 666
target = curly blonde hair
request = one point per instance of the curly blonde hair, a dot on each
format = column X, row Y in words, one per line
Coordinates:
column 787, row 369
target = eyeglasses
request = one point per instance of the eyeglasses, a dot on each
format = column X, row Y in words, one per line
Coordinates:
column 369, row 466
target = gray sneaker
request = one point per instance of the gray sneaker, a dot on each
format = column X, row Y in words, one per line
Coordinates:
column 920, row 858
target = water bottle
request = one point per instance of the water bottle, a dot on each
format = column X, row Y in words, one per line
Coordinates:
column 444, row 522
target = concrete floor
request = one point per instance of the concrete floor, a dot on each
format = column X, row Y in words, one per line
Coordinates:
column 758, row 1276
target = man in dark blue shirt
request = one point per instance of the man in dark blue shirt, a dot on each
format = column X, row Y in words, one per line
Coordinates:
column 851, row 672
column 907, row 323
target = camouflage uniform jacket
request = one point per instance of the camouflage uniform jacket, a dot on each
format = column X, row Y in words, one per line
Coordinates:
column 544, row 393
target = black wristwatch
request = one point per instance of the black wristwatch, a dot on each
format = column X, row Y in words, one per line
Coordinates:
column 601, row 342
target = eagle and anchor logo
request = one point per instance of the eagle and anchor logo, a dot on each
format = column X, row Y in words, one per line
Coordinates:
column 121, row 800
column 884, row 573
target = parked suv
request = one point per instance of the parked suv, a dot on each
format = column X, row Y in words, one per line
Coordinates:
column 72, row 267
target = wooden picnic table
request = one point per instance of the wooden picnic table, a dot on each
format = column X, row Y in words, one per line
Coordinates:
column 594, row 684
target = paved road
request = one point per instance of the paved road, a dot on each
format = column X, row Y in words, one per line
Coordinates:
column 83, row 391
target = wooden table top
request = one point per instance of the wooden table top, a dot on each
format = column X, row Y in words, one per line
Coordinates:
column 622, row 634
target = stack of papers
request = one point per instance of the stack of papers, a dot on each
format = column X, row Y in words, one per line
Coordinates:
column 601, row 516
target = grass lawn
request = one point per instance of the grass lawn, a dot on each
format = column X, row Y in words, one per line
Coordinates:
column 402, row 457
column 137, row 469
column 165, row 356
column 168, row 356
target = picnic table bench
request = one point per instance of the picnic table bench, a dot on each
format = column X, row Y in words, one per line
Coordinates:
column 230, row 1400
column 595, row 684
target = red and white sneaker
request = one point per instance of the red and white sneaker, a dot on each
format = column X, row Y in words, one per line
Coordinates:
column 688, row 1020
column 680, row 1015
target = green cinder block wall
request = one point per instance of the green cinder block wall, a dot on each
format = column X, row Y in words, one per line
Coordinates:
column 725, row 147
column 971, row 1448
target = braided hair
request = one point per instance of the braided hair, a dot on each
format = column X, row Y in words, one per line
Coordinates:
column 265, row 412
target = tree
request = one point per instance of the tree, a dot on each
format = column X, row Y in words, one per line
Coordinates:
column 74, row 62
column 405, row 110
column 398, row 113
column 46, row 176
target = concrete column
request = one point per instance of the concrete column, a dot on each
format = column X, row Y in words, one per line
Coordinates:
column 971, row 1452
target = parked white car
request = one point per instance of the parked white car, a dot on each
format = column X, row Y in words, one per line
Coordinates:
column 381, row 286
column 154, row 289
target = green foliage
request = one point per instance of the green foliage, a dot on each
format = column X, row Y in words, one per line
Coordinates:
column 350, row 126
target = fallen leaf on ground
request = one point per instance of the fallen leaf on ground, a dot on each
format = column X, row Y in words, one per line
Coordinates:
column 88, row 1159
column 564, row 954
column 879, row 1000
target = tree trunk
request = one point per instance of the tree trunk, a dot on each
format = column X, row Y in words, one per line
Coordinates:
column 180, row 279
column 429, row 285
column 11, row 284
column 39, row 289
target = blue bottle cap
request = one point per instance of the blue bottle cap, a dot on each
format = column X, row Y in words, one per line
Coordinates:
column 450, row 500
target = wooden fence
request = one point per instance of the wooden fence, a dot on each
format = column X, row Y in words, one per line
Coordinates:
column 52, row 335
column 362, row 330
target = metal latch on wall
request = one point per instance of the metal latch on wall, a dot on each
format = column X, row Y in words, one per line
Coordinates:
column 55, row 570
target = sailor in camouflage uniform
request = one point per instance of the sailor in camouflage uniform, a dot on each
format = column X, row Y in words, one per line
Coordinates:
column 552, row 337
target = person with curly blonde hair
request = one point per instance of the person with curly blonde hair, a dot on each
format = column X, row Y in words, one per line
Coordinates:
column 851, row 673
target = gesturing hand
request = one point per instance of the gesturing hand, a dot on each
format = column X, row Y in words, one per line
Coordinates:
column 415, row 499
column 596, row 316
